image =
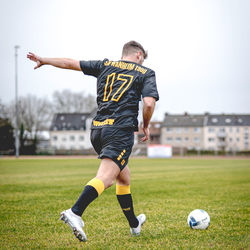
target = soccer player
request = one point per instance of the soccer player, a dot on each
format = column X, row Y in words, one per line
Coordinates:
column 120, row 86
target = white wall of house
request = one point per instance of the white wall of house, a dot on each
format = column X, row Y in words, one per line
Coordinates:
column 71, row 139
column 74, row 140
column 233, row 138
column 187, row 137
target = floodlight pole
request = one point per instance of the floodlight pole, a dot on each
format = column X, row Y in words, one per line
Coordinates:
column 16, row 81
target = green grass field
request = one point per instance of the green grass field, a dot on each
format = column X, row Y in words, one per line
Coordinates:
column 33, row 192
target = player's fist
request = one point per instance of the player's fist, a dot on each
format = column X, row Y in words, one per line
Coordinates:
column 146, row 134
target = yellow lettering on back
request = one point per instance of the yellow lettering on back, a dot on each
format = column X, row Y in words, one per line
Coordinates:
column 106, row 122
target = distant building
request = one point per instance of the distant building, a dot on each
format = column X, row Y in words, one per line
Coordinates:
column 227, row 132
column 212, row 132
column 183, row 131
column 71, row 131
column 155, row 133
column 215, row 132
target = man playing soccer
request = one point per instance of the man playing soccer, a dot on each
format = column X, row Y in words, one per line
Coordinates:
column 120, row 87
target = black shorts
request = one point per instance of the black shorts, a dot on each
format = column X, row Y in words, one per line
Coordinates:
column 113, row 143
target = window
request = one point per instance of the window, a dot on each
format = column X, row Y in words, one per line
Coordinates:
column 178, row 130
column 210, row 130
column 222, row 130
column 186, row 139
column 196, row 139
column 211, row 139
column 157, row 125
column 178, row 139
column 72, row 138
column 197, row 130
column 237, row 130
column 228, row 120
column 169, row 130
column 55, row 138
column 169, row 139
column 238, row 139
column 214, row 120
column 64, row 139
column 231, row 129
column 230, row 139
column 186, row 130
column 81, row 138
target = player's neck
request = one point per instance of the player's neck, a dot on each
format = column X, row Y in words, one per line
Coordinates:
column 130, row 59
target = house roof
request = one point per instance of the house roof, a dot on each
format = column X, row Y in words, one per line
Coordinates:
column 186, row 120
column 70, row 121
column 228, row 120
column 192, row 120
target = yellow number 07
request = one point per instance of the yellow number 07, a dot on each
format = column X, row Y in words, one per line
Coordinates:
column 126, row 81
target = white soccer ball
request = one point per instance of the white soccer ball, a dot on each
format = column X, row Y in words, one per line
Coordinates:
column 198, row 219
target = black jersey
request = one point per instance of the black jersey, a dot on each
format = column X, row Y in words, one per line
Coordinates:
column 120, row 86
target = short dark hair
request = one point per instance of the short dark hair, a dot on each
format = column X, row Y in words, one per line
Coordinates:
column 133, row 46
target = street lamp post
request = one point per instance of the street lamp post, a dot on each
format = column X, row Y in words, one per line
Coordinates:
column 16, row 81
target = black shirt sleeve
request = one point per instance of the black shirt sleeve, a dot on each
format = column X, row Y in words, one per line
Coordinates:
column 92, row 68
column 149, row 88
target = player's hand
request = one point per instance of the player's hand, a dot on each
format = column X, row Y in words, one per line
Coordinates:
column 146, row 133
column 36, row 59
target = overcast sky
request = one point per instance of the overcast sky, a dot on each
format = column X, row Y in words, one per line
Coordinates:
column 198, row 48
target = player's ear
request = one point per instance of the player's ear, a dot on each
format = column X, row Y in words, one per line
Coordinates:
column 139, row 57
column 138, row 54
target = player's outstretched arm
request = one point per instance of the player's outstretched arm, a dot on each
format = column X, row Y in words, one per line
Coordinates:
column 63, row 63
column 148, row 110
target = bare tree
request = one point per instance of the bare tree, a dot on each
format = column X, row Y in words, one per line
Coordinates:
column 67, row 101
column 35, row 115
column 3, row 111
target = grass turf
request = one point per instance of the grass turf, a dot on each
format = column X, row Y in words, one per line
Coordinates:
column 33, row 193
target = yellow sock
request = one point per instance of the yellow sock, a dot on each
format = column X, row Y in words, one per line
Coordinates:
column 97, row 184
column 121, row 190
column 125, row 199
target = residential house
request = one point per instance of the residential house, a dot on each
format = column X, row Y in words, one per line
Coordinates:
column 71, row 131
column 227, row 132
column 183, row 131
column 213, row 132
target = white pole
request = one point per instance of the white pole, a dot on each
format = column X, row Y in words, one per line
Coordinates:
column 16, row 84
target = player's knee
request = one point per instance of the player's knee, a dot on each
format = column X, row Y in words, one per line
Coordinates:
column 123, row 182
column 109, row 183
